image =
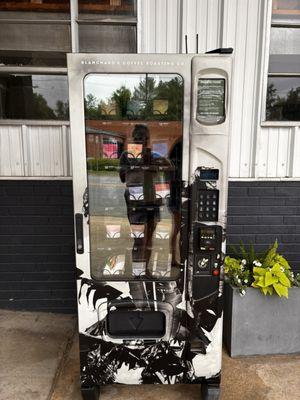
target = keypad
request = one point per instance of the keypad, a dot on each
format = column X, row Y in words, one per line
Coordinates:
column 208, row 205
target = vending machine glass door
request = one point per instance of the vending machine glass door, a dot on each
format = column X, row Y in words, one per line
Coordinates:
column 133, row 127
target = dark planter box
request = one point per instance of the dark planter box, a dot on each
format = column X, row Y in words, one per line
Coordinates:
column 256, row 324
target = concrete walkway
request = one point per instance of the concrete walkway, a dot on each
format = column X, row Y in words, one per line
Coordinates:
column 39, row 360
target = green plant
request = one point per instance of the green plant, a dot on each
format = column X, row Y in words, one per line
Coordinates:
column 274, row 274
column 103, row 164
column 269, row 272
column 237, row 272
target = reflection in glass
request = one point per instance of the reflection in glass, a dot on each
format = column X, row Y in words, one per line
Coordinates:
column 104, row 7
column 107, row 38
column 134, row 175
column 283, row 99
column 38, row 5
column 33, row 97
column 285, row 40
column 286, row 6
column 35, row 58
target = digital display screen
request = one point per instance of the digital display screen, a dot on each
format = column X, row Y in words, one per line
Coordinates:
column 207, row 233
column 209, row 174
column 211, row 101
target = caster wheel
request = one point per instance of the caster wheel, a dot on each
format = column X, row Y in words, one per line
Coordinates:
column 210, row 392
column 90, row 392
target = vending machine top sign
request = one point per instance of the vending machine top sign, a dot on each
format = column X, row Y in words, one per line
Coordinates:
column 149, row 140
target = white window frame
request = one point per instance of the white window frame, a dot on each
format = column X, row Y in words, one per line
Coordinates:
column 265, row 71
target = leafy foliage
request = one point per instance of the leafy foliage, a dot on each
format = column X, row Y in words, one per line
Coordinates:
column 103, row 164
column 269, row 272
column 139, row 103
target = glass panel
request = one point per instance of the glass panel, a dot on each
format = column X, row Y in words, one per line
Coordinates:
column 92, row 8
column 36, row 5
column 35, row 37
column 286, row 6
column 33, row 58
column 33, row 97
column 134, row 174
column 211, row 101
column 283, row 99
column 107, row 38
column 285, row 41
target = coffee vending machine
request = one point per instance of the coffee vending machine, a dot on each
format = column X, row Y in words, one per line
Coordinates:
column 149, row 137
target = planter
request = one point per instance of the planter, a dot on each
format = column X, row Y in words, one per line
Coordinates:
column 256, row 324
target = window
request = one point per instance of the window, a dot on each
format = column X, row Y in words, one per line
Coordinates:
column 35, row 32
column 40, row 97
column 283, row 89
column 107, row 26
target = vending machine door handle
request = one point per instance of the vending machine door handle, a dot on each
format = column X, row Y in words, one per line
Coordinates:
column 79, row 233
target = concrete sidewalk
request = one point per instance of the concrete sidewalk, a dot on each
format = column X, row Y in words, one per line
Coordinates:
column 39, row 360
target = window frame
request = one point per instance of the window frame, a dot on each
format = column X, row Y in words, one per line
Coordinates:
column 270, row 23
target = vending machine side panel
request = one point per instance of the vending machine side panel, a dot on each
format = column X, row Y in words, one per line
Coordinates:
column 209, row 135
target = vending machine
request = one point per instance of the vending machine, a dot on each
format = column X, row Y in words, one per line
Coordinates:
column 149, row 137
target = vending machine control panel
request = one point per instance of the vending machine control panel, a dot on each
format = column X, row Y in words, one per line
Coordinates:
column 207, row 249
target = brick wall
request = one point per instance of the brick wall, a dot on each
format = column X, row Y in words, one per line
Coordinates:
column 37, row 246
column 262, row 212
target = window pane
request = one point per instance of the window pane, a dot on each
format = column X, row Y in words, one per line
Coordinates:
column 286, row 5
column 33, row 97
column 134, row 175
column 104, row 7
column 107, row 38
column 35, row 5
column 283, row 99
column 285, row 41
column 33, row 58
column 35, row 37
column 283, row 63
column 285, row 11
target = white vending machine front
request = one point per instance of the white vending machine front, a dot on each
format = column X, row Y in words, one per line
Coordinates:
column 149, row 140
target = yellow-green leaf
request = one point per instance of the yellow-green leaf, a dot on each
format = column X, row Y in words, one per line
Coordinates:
column 276, row 269
column 270, row 290
column 259, row 271
column 261, row 281
column 270, row 279
column 264, row 290
column 281, row 290
column 284, row 280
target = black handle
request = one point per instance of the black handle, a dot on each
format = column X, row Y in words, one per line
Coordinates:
column 79, row 233
column 221, row 50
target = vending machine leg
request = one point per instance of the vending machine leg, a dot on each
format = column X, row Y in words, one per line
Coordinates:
column 90, row 392
column 210, row 391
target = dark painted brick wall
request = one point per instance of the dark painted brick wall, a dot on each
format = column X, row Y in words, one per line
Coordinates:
column 36, row 246
column 261, row 212
column 37, row 264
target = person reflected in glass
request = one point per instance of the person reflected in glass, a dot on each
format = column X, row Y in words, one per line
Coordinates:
column 139, row 170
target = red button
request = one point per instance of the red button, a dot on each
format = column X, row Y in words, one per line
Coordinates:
column 216, row 272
